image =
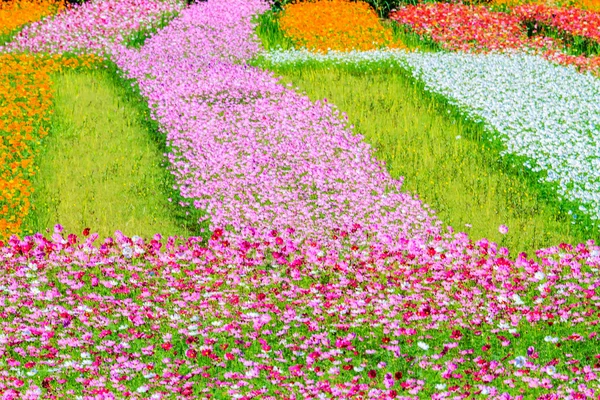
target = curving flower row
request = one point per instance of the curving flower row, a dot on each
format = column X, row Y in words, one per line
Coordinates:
column 251, row 152
column 468, row 28
column 574, row 21
column 94, row 27
column 462, row 27
column 335, row 25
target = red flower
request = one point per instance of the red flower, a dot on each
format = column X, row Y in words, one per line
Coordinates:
column 191, row 353
column 372, row 373
column 166, row 346
column 86, row 232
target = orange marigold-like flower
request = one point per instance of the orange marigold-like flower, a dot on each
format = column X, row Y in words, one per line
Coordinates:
column 15, row 13
column 335, row 25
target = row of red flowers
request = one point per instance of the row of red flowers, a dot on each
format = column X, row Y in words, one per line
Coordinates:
column 476, row 28
column 574, row 21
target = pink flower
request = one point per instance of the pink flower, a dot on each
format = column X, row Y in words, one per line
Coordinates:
column 388, row 381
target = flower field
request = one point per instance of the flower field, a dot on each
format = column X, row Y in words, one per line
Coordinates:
column 315, row 274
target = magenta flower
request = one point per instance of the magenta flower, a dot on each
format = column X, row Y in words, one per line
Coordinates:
column 388, row 381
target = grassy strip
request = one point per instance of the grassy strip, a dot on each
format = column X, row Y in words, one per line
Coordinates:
column 100, row 167
column 444, row 159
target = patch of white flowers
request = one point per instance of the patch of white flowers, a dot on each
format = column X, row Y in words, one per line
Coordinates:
column 548, row 113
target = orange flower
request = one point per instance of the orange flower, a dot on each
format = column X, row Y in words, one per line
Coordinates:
column 25, row 107
column 335, row 25
column 14, row 13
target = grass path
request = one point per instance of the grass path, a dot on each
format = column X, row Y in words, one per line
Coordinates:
column 99, row 167
column 442, row 159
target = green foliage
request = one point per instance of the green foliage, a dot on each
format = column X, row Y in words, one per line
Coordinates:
column 100, row 167
column 445, row 160
column 269, row 32
column 8, row 37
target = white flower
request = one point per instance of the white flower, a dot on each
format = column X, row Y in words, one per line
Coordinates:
column 517, row 299
column 551, row 339
column 440, row 386
column 142, row 389
column 127, row 252
column 539, row 275
column 520, row 362
column 423, row 345
column 550, row 370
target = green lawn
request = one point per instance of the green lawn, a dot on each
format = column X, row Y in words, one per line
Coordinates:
column 100, row 167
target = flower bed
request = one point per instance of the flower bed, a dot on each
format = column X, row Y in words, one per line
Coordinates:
column 477, row 29
column 275, row 318
column 251, row 152
column 320, row 280
column 94, row 27
column 16, row 13
column 335, row 25
column 468, row 28
column 573, row 21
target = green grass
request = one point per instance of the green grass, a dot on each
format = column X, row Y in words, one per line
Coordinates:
column 444, row 159
column 100, row 166
column 5, row 38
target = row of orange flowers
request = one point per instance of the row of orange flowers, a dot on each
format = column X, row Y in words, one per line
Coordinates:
column 15, row 13
column 25, row 111
column 336, row 25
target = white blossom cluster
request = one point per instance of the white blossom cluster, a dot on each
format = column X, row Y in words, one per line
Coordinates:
column 548, row 113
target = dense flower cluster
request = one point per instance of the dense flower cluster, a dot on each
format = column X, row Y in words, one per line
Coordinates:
column 251, row 152
column 576, row 22
column 275, row 318
column 547, row 113
column 15, row 13
column 592, row 5
column 335, row 25
column 477, row 29
column 321, row 279
column 93, row 27
column 468, row 28
column 25, row 106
